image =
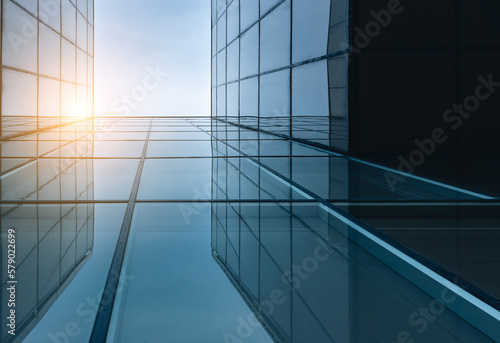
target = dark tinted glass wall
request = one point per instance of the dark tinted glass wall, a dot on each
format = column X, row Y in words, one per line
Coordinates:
column 412, row 67
column 422, row 65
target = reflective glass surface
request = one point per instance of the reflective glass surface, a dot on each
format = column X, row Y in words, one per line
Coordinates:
column 223, row 233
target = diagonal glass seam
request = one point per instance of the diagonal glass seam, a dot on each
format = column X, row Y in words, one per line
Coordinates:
column 377, row 166
column 103, row 318
column 475, row 306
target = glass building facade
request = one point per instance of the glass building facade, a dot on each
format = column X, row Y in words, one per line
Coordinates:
column 46, row 182
column 262, row 223
column 336, row 107
column 281, row 66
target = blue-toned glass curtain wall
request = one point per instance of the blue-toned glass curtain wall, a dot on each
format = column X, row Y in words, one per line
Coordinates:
column 281, row 66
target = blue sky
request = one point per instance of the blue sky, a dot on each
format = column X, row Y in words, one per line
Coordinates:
column 152, row 57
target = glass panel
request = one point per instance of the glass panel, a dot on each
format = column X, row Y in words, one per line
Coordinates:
column 310, row 29
column 233, row 20
column 77, row 300
column 337, row 70
column 20, row 38
column 221, row 33
column 90, row 101
column 275, row 94
column 221, row 101
column 91, row 71
column 82, row 7
column 81, row 101
column 233, row 61
column 49, row 13
column 111, row 149
column 232, row 99
column 91, row 40
column 114, row 178
column 82, row 32
column 275, row 38
column 338, row 36
column 49, row 52
column 214, row 40
column 91, row 12
column 68, row 99
column 69, row 21
column 82, row 67
column 249, row 98
column 207, row 313
column 182, row 148
column 310, row 89
column 30, row 5
column 249, row 13
column 249, row 50
column 176, row 179
column 266, row 5
column 68, row 61
column 221, row 6
column 221, row 67
column 214, row 101
column 214, row 71
column 49, row 97
column 19, row 93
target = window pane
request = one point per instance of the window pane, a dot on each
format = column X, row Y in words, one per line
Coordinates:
column 82, row 32
column 221, row 101
column 221, row 33
column 338, row 27
column 49, row 91
column 91, row 40
column 90, row 101
column 81, row 101
column 19, row 48
column 82, row 7
column 91, row 12
column 266, row 5
column 214, row 40
column 214, row 71
column 249, row 13
column 91, row 72
column 49, row 52
column 233, row 20
column 233, row 61
column 214, row 12
column 30, row 5
column 310, row 89
column 49, row 13
column 18, row 93
column 275, row 38
column 310, row 28
column 82, row 68
column 249, row 97
column 232, row 99
column 68, row 61
column 214, row 101
column 69, row 21
column 250, row 52
column 275, row 94
column 68, row 100
column 221, row 67
column 221, row 6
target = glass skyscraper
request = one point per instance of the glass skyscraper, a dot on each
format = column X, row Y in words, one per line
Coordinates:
column 46, row 153
column 342, row 190
column 283, row 67
column 357, row 128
